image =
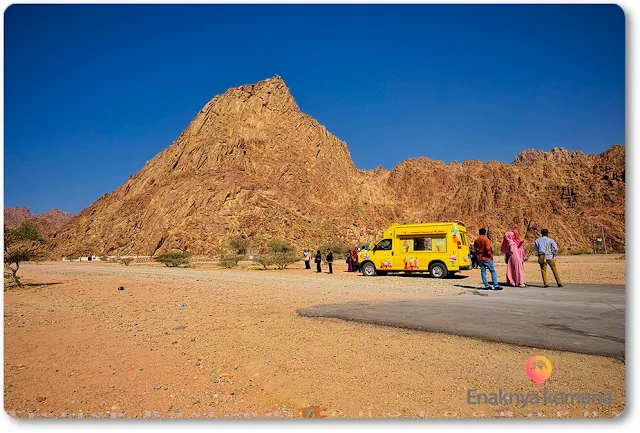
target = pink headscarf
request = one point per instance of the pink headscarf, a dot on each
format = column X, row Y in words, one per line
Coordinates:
column 516, row 238
column 508, row 239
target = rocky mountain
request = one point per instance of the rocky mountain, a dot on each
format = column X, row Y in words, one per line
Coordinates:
column 252, row 164
column 48, row 222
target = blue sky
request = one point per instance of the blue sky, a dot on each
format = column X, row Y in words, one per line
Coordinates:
column 93, row 92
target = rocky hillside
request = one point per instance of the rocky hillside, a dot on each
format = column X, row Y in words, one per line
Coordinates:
column 252, row 164
column 48, row 222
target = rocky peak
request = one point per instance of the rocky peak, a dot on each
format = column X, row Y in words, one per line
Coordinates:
column 251, row 164
column 13, row 216
column 47, row 222
column 557, row 154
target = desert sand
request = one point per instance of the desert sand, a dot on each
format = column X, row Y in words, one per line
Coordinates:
column 210, row 342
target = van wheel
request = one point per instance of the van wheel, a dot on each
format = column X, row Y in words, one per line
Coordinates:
column 368, row 269
column 437, row 270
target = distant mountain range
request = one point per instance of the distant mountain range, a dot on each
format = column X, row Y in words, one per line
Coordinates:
column 48, row 222
column 251, row 164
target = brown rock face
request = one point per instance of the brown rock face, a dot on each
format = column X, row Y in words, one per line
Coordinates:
column 252, row 164
column 48, row 222
column 13, row 216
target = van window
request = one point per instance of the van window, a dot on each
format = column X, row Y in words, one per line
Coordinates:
column 422, row 244
column 384, row 244
column 435, row 243
column 439, row 244
column 464, row 238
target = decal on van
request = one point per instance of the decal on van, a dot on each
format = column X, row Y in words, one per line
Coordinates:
column 410, row 263
column 405, row 246
column 440, row 245
column 453, row 259
column 386, row 264
column 455, row 233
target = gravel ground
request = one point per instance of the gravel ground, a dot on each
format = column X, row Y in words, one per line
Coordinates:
column 205, row 342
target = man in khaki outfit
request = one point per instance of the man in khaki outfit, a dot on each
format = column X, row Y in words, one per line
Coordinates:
column 547, row 249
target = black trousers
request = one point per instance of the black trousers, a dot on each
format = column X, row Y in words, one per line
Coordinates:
column 330, row 268
column 307, row 265
column 319, row 268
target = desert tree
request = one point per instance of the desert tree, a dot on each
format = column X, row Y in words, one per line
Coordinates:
column 281, row 254
column 21, row 245
column 239, row 245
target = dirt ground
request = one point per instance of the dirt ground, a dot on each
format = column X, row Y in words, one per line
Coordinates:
column 209, row 342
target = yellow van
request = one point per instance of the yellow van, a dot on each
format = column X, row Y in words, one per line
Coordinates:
column 439, row 248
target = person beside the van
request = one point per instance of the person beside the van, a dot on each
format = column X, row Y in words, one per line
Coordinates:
column 520, row 243
column 474, row 256
column 349, row 262
column 515, row 264
column 482, row 245
column 354, row 258
column 318, row 260
column 547, row 249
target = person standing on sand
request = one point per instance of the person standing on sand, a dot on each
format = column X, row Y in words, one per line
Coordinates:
column 306, row 255
column 474, row 256
column 547, row 249
column 354, row 258
column 513, row 257
column 482, row 245
column 318, row 260
column 520, row 243
column 349, row 262
column 330, row 260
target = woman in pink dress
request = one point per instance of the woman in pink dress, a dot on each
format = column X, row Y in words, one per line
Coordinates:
column 515, row 262
column 519, row 242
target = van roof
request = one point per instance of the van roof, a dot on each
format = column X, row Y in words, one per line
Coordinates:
column 430, row 224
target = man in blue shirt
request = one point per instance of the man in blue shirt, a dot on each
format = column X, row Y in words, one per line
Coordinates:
column 547, row 249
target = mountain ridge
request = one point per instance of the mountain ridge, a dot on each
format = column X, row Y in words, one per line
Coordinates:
column 252, row 164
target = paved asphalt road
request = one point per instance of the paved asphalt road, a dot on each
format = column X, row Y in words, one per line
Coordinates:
column 578, row 317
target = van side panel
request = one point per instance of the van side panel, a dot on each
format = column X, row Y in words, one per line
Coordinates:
column 415, row 246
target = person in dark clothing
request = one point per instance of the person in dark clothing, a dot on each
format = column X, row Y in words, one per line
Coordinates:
column 318, row 260
column 474, row 256
column 330, row 260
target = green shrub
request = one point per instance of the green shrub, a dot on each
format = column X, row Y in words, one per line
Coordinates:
column 239, row 245
column 265, row 260
column 173, row 259
column 285, row 259
column 230, row 261
column 21, row 245
column 25, row 232
column 280, row 254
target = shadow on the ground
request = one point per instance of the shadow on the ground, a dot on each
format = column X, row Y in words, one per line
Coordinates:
column 39, row 284
column 478, row 287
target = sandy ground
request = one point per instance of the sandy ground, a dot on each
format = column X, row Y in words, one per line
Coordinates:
column 209, row 342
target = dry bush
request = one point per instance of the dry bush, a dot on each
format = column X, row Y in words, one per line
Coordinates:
column 173, row 259
column 230, row 261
